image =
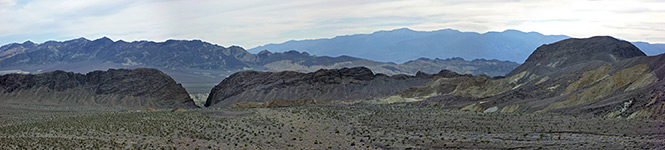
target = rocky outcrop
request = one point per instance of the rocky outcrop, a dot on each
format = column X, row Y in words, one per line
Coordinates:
column 325, row 84
column 113, row 88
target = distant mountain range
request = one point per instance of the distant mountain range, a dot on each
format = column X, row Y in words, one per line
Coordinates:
column 200, row 65
column 650, row 49
column 401, row 45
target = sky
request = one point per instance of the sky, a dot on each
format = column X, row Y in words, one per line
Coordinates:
column 251, row 23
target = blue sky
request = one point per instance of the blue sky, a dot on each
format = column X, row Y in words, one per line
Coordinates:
column 250, row 23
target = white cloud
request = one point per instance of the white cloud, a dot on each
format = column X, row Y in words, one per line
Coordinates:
column 251, row 23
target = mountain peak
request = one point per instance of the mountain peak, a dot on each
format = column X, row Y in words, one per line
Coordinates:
column 264, row 52
column 402, row 29
column 28, row 42
column 104, row 40
column 512, row 31
column 448, row 30
column 398, row 30
column 81, row 39
column 573, row 51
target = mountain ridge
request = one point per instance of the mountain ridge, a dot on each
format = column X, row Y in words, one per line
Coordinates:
column 196, row 63
column 512, row 45
column 387, row 41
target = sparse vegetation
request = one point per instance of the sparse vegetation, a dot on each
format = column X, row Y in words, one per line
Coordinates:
column 318, row 127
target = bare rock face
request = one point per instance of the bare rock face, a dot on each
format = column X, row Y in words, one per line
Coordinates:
column 325, row 84
column 113, row 88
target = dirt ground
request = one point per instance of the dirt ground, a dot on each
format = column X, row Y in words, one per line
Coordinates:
column 316, row 127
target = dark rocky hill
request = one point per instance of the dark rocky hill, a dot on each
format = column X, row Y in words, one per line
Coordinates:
column 572, row 54
column 325, row 84
column 599, row 76
column 113, row 88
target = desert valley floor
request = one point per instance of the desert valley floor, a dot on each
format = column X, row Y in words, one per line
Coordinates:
column 316, row 127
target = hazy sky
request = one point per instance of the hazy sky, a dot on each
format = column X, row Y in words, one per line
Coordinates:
column 251, row 23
